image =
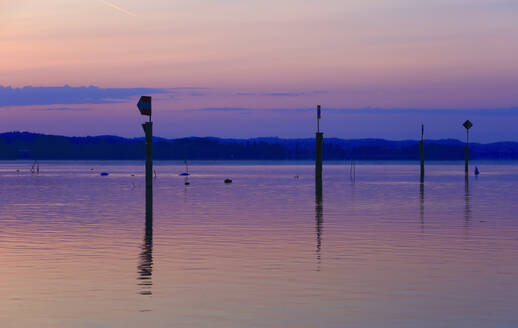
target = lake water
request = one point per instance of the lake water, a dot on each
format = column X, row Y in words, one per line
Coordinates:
column 264, row 251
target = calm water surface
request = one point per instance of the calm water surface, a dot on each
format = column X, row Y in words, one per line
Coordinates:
column 264, row 251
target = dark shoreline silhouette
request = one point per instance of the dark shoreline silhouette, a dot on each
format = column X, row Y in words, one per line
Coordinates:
column 31, row 146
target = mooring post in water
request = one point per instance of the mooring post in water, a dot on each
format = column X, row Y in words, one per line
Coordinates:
column 468, row 126
column 318, row 149
column 318, row 184
column 144, row 106
column 148, row 129
column 466, row 158
column 421, row 151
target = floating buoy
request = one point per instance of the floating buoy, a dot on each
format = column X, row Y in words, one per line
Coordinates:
column 103, row 174
column 184, row 174
column 187, row 183
column 296, row 177
column 228, row 181
column 477, row 172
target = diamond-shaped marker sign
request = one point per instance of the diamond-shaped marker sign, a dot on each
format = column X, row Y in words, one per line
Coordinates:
column 144, row 105
column 468, row 124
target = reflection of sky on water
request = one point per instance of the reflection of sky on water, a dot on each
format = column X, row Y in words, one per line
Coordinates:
column 75, row 250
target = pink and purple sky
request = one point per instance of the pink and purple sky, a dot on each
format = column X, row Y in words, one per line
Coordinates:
column 252, row 68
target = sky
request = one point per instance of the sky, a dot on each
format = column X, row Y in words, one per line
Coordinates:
column 250, row 68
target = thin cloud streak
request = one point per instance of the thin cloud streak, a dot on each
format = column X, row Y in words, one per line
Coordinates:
column 122, row 10
column 34, row 96
column 70, row 109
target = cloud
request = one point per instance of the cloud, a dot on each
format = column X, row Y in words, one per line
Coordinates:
column 196, row 94
column 284, row 94
column 426, row 112
column 225, row 109
column 369, row 111
column 179, row 93
column 271, row 94
column 71, row 109
column 30, row 96
column 188, row 88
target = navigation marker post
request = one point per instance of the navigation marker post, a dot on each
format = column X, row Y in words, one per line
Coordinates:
column 144, row 106
column 318, row 150
column 468, row 125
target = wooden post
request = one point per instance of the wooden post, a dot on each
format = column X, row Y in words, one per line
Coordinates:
column 421, row 150
column 318, row 156
column 466, row 154
column 319, row 140
column 468, row 125
column 148, row 129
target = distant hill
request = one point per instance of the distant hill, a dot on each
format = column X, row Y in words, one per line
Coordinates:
column 24, row 145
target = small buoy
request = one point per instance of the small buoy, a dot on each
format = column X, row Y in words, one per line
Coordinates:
column 103, row 174
column 187, row 183
column 17, row 170
column 228, row 180
column 133, row 175
column 91, row 169
column 477, row 172
column 184, row 174
column 296, row 177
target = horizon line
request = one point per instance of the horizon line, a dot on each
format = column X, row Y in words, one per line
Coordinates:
column 251, row 138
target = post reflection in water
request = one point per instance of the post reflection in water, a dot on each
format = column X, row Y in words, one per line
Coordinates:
column 421, row 204
column 467, row 205
column 318, row 217
column 145, row 267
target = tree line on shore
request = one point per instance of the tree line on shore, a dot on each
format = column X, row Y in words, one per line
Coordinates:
column 24, row 145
